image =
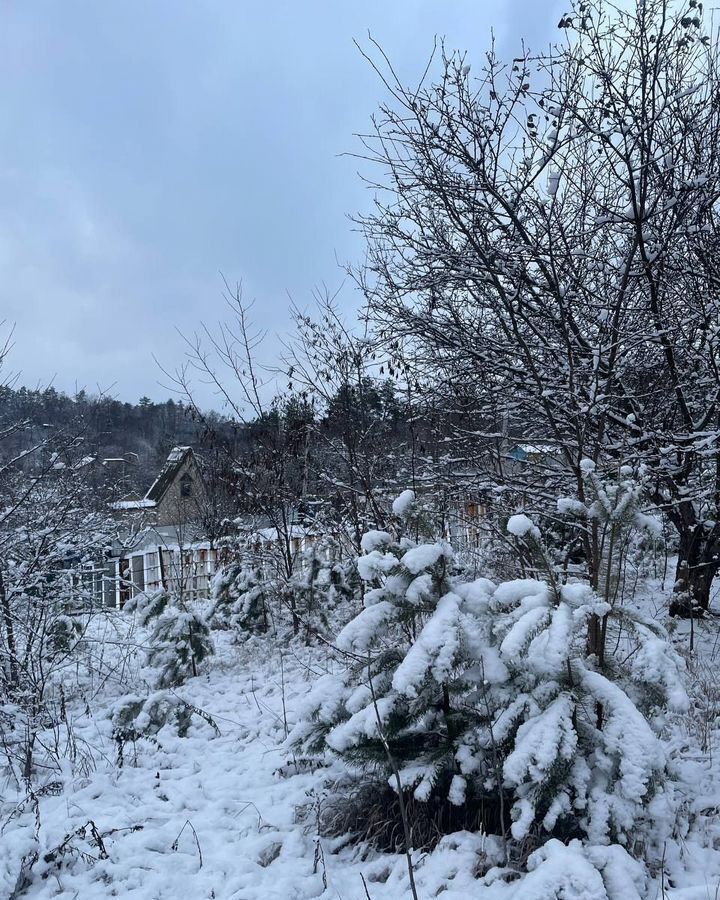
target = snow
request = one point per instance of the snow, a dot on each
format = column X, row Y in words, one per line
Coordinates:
column 236, row 812
column 216, row 815
column 526, row 591
column 649, row 523
column 273, row 534
column 374, row 540
column 375, row 563
column 538, row 449
column 219, row 813
column 434, row 650
column 419, row 589
column 457, row 792
column 424, row 556
column 522, row 632
column 547, row 651
column 177, row 453
column 476, row 592
column 521, row 525
column 656, row 661
column 634, row 763
column 541, row 742
column 571, row 506
column 403, row 504
column 359, row 634
column 559, row 871
column 362, row 724
column 133, row 504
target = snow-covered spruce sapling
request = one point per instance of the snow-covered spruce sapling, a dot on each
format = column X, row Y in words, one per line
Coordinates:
column 345, row 587
column 179, row 639
column 578, row 751
column 239, row 595
column 612, row 520
column 63, row 634
column 580, row 744
column 134, row 717
column 487, row 696
column 614, row 514
column 526, row 536
column 407, row 659
column 305, row 594
column 323, row 592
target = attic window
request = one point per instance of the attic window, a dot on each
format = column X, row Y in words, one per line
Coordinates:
column 186, row 485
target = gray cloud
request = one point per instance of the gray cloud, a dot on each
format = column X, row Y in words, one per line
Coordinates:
column 145, row 147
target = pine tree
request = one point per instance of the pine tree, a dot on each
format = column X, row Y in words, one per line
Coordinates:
column 179, row 639
column 408, row 662
column 239, row 595
column 323, row 593
column 486, row 694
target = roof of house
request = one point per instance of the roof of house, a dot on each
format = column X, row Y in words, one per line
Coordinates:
column 133, row 504
column 524, row 451
column 173, row 464
column 84, row 462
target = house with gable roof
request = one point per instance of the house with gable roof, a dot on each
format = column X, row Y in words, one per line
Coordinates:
column 163, row 543
column 176, row 495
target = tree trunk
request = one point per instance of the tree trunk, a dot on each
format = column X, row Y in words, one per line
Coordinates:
column 698, row 563
column 12, row 671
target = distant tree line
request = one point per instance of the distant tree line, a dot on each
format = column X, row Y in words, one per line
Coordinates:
column 107, row 428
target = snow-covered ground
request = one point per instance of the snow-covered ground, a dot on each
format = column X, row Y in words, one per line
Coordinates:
column 218, row 812
column 216, row 815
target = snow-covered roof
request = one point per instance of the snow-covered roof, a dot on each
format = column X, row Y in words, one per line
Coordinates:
column 538, row 448
column 170, row 469
column 133, row 504
column 175, row 459
column 271, row 534
column 167, row 537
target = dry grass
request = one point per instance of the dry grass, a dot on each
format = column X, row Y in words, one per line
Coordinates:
column 368, row 812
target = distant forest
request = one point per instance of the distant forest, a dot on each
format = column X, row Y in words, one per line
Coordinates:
column 291, row 447
column 140, row 434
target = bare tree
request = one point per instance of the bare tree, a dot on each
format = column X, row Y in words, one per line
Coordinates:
column 50, row 543
column 269, row 461
column 358, row 436
column 547, row 231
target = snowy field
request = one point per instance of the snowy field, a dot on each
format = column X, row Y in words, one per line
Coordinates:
column 217, row 812
column 226, row 812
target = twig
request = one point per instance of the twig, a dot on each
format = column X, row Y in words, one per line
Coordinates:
column 282, row 683
column 367, row 892
column 398, row 781
column 174, row 844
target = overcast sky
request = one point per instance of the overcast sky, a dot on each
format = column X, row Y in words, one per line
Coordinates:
column 146, row 146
